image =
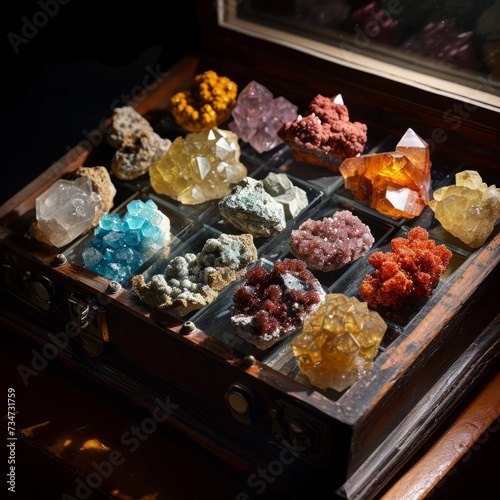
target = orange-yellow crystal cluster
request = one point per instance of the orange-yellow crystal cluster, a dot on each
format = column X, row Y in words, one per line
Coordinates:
column 469, row 209
column 394, row 183
column 338, row 342
column 407, row 274
column 208, row 103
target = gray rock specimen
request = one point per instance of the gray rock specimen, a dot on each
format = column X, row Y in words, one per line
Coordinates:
column 192, row 281
column 252, row 210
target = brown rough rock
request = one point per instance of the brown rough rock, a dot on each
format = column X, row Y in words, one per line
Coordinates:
column 126, row 121
column 103, row 186
column 137, row 153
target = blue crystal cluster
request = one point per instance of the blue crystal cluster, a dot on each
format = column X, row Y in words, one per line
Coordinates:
column 120, row 246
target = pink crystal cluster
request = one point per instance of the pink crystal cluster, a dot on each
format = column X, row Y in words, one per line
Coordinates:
column 258, row 116
column 332, row 242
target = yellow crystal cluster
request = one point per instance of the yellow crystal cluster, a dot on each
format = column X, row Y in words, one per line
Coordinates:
column 200, row 167
column 338, row 342
column 469, row 209
column 207, row 104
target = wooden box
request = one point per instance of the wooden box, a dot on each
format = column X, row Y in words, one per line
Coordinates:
column 254, row 408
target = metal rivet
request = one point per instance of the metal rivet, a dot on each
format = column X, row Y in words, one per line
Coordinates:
column 59, row 260
column 249, row 360
column 187, row 327
column 113, row 287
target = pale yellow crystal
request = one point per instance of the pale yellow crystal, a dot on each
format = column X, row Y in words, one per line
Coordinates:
column 468, row 209
column 200, row 167
column 339, row 341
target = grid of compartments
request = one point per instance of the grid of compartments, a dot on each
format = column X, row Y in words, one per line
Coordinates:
column 192, row 225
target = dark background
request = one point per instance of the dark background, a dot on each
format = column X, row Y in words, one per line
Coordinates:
column 65, row 63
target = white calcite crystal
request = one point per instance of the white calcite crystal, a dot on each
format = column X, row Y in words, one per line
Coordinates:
column 65, row 211
column 283, row 191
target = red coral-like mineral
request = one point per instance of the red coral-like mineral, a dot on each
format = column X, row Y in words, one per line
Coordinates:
column 332, row 242
column 324, row 136
column 407, row 274
column 272, row 304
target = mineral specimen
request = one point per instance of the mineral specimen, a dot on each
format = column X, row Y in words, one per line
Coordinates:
column 332, row 242
column 103, row 186
column 377, row 21
column 272, row 304
column 65, row 211
column 207, row 104
column 339, row 341
column 190, row 282
column 125, row 122
column 324, row 135
column 120, row 246
column 444, row 40
column 410, row 272
column 252, row 210
column 394, row 183
column 258, row 116
column 469, row 209
column 284, row 192
column 200, row 167
column 137, row 153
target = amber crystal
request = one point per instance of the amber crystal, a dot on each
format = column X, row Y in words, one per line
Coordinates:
column 469, row 209
column 200, row 167
column 339, row 341
column 395, row 183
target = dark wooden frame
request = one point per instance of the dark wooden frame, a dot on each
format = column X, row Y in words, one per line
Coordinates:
column 376, row 425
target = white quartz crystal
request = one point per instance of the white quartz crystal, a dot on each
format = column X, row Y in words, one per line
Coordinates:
column 65, row 211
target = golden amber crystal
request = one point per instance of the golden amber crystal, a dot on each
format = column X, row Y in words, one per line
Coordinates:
column 394, row 183
column 339, row 341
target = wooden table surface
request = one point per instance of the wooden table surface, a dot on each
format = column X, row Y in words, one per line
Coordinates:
column 69, row 427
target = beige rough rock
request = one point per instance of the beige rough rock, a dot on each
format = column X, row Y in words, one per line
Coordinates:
column 137, row 153
column 126, row 121
column 102, row 185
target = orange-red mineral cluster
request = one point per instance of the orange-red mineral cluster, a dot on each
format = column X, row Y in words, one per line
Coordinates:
column 407, row 274
column 207, row 104
column 394, row 183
